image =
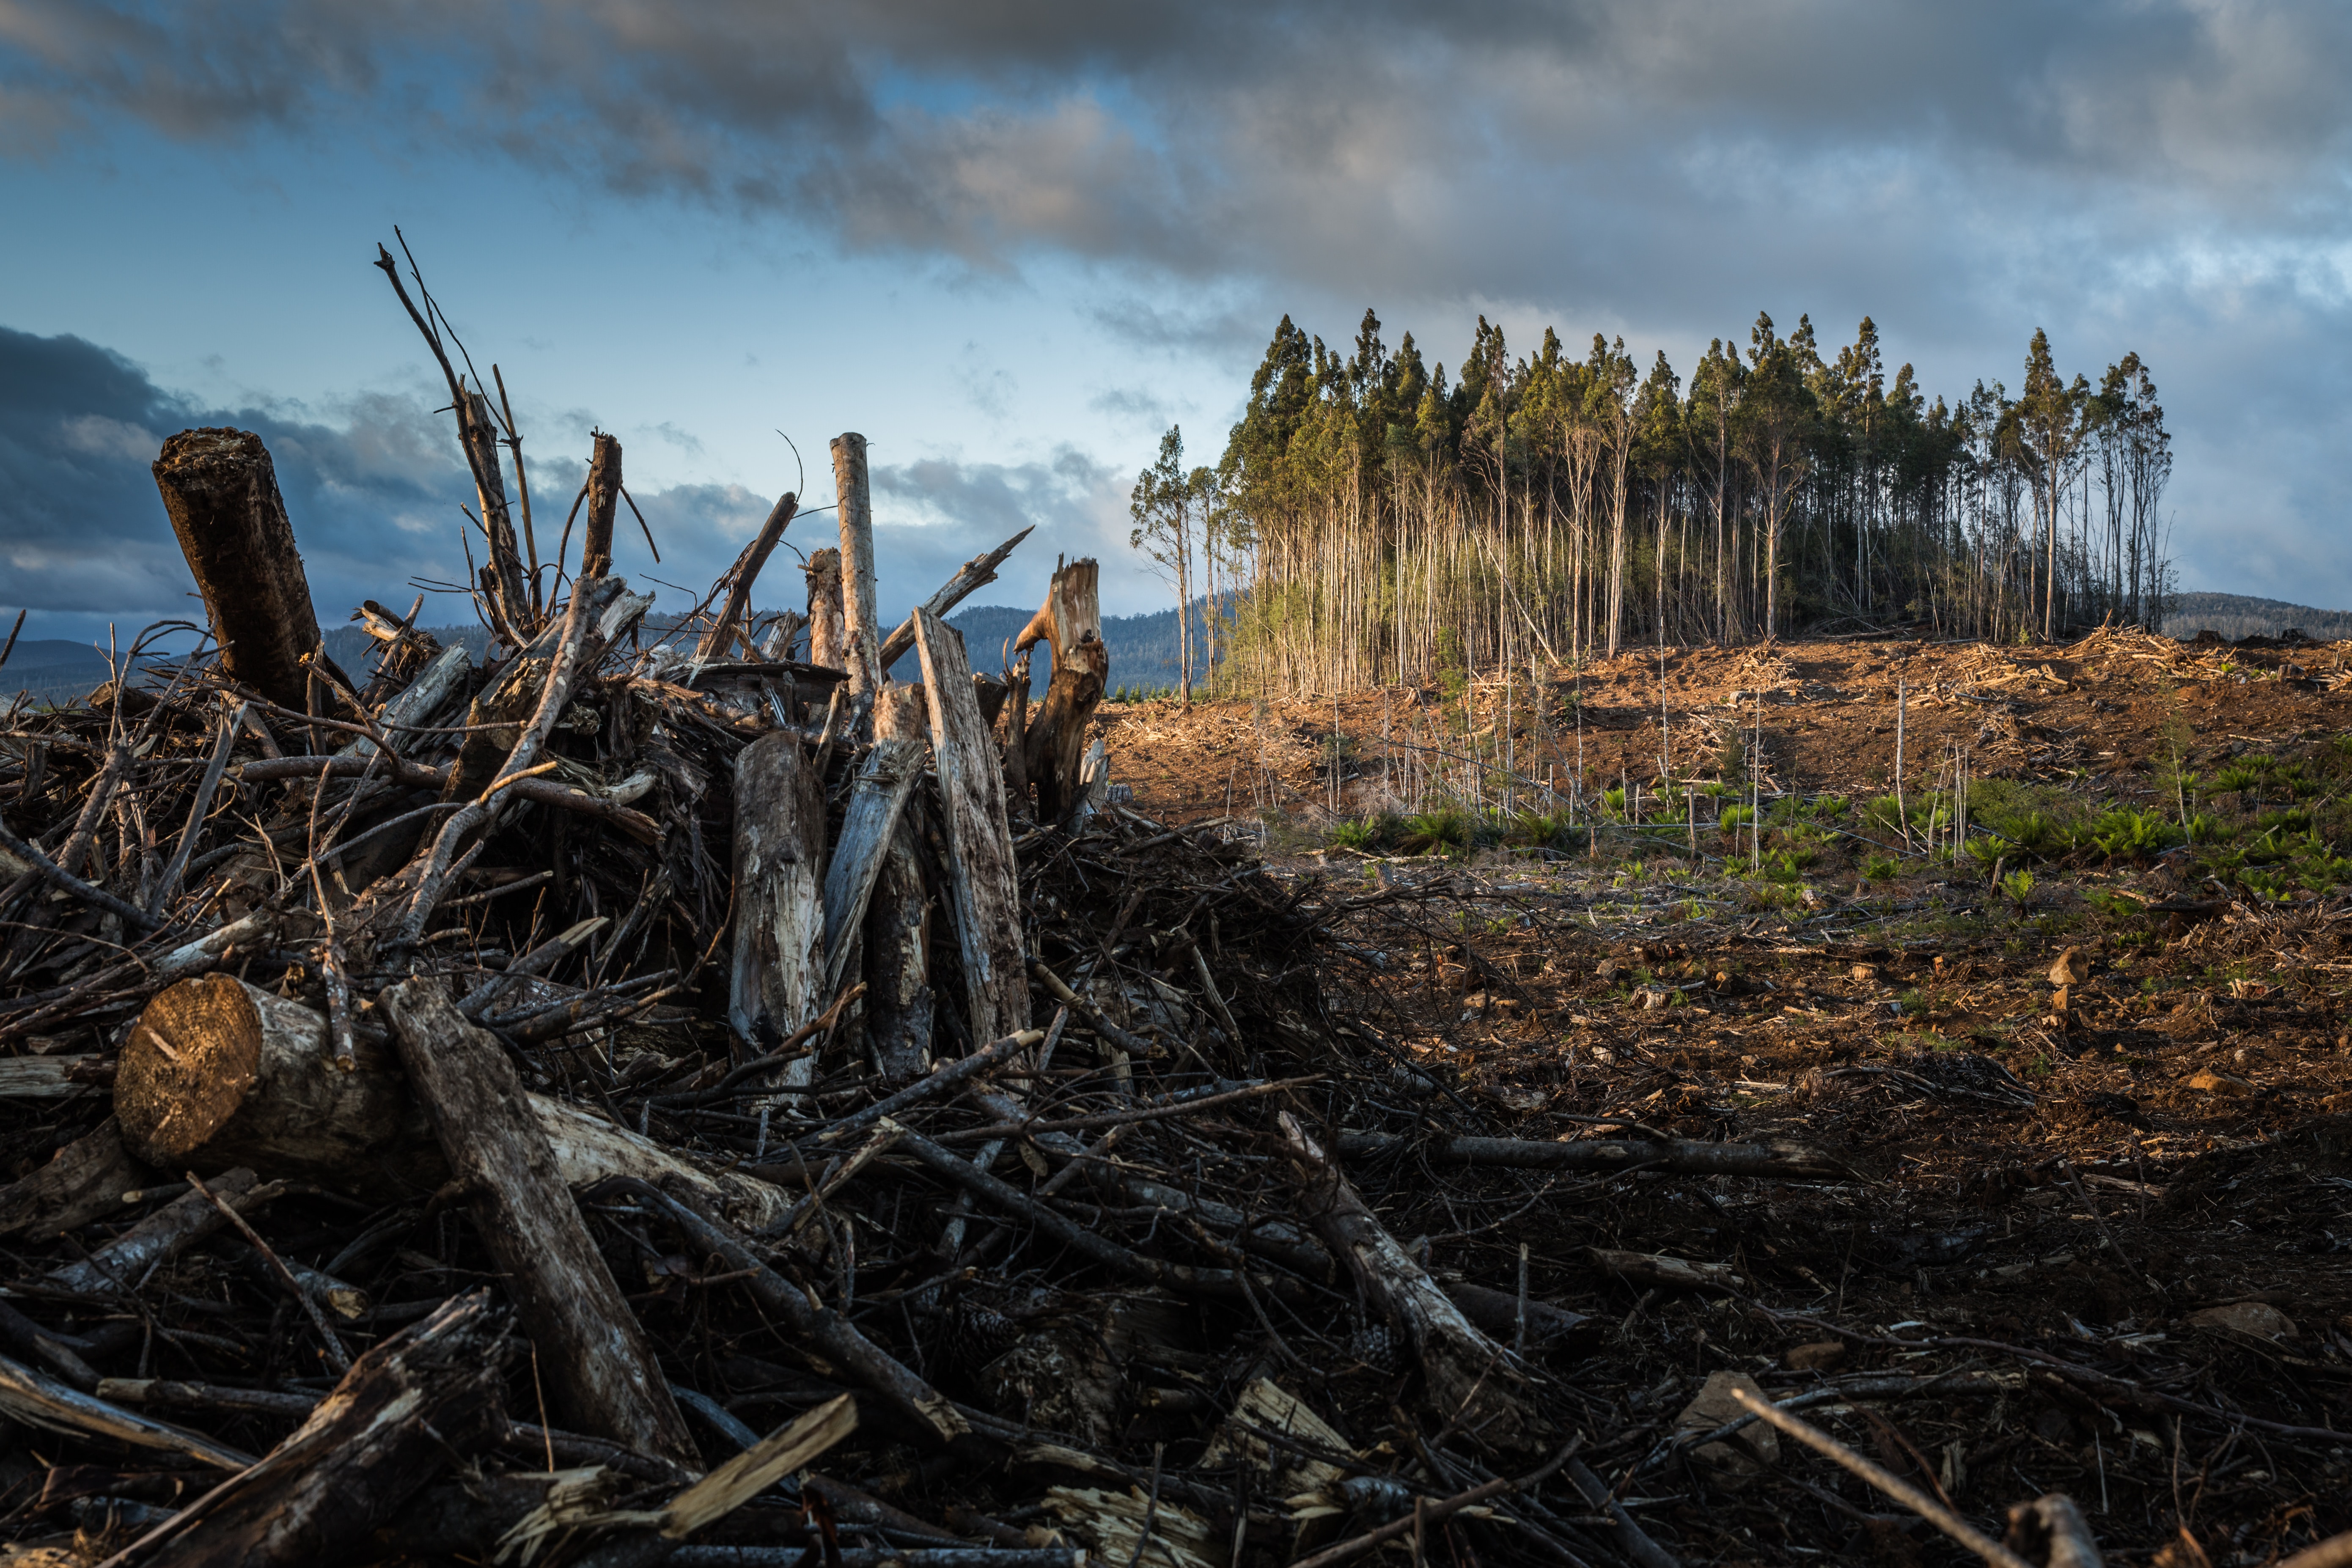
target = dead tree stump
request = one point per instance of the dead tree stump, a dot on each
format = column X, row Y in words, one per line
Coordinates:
column 1054, row 749
column 603, row 501
column 984, row 878
column 221, row 492
column 828, row 634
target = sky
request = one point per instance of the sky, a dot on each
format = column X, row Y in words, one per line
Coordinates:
column 1012, row 241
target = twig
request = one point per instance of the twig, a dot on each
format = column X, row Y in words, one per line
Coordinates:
column 336, row 1355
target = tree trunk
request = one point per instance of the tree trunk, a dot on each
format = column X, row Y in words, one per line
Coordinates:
column 828, row 636
column 982, row 876
column 976, row 573
column 1471, row 1379
column 863, row 640
column 899, row 1002
column 777, row 978
column 603, row 501
column 884, row 780
column 428, row 1395
column 599, row 1367
column 716, row 641
column 217, row 1072
column 1054, row 750
column 221, row 494
column 480, row 432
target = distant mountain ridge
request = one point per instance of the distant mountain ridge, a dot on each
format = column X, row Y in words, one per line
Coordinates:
column 2235, row 615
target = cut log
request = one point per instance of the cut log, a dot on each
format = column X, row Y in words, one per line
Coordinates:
column 600, row 1369
column 828, row 634
column 862, row 637
column 603, row 503
column 876, row 797
column 216, row 1071
column 1472, row 1381
column 984, row 878
column 720, row 637
column 977, row 573
column 221, row 494
column 1054, row 750
column 776, row 981
column 427, row 1396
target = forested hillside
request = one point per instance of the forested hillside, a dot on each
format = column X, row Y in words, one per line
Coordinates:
column 1386, row 522
column 2236, row 616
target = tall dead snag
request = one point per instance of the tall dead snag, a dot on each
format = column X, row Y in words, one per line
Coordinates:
column 776, row 981
column 599, row 1367
column 828, row 635
column 983, row 879
column 1471, row 1380
column 863, row 640
column 221, row 494
column 426, row 1396
column 603, row 503
column 1054, row 751
column 715, row 641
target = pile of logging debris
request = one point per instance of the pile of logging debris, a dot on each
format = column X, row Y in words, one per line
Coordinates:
column 656, row 1098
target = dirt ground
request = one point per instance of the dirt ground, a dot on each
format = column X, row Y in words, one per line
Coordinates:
column 2051, row 1190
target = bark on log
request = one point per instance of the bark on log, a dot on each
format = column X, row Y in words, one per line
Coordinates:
column 719, row 638
column 216, row 1071
column 39, row 1400
column 828, row 635
column 863, row 639
column 426, row 1396
column 598, row 1365
column 479, row 431
column 982, row 876
column 83, row 1181
column 1471, row 1380
column 604, row 502
column 877, row 798
column 897, row 937
column 418, row 700
column 1054, row 750
column 221, row 494
column 776, row 981
column 1781, row 1159
column 161, row 1236
column 976, row 573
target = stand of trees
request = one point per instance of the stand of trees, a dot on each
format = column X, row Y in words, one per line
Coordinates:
column 1383, row 524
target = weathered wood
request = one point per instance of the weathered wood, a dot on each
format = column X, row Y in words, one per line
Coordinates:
column 719, row 637
column 161, row 1236
column 82, row 1181
column 776, row 981
column 408, row 1408
column 603, row 503
column 1472, row 1381
column 984, row 878
column 417, row 701
column 39, row 1400
column 216, row 1070
column 975, row 574
column 221, row 494
column 876, row 797
column 898, row 1000
column 218, row 1073
column 599, row 1368
column 828, row 633
column 862, row 637
column 1054, row 749
column 478, row 429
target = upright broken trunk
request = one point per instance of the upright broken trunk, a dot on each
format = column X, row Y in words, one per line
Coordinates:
column 827, row 634
column 604, row 502
column 982, row 876
column 896, row 934
column 1053, row 751
column 599, row 1367
column 1472, row 1382
column 862, row 641
column 504, row 576
column 776, row 983
column 716, row 641
column 221, row 494
column 427, row 1396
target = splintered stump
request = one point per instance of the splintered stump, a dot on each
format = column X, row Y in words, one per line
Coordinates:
column 603, row 503
column 428, row 1395
column 984, row 878
column 221, row 494
column 599, row 1366
column 217, row 1074
column 827, row 631
column 776, row 980
column 1054, row 747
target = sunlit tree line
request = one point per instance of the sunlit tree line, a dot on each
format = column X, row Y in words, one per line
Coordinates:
column 1371, row 521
